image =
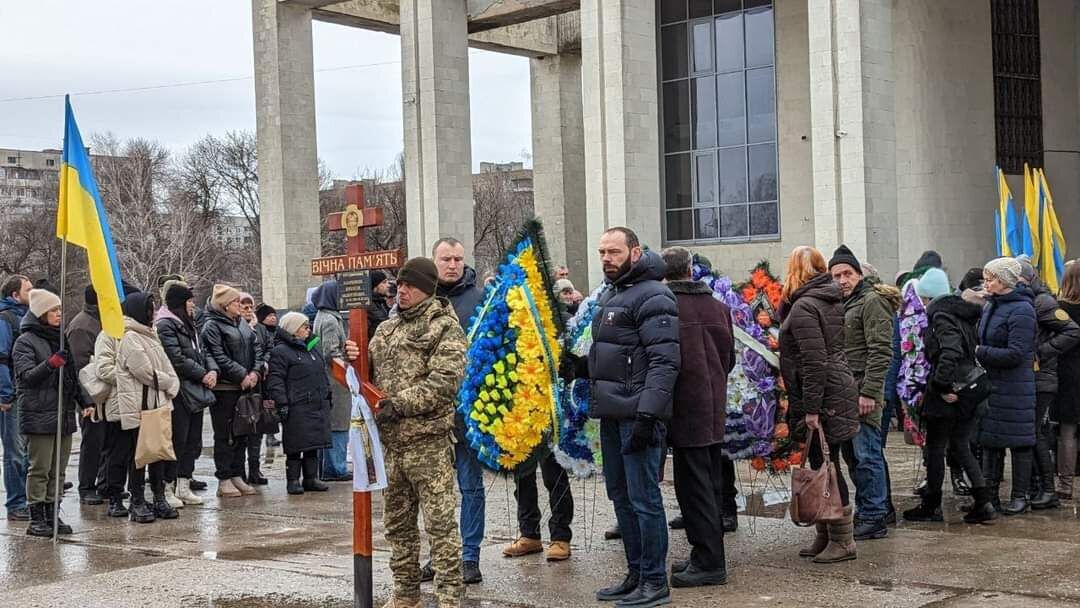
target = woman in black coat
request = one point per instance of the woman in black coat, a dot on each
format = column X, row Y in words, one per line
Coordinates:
column 38, row 363
column 1007, row 351
column 821, row 390
column 950, row 350
column 1066, row 409
column 298, row 384
column 198, row 377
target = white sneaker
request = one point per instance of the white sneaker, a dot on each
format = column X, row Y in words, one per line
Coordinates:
column 243, row 487
column 184, row 493
column 170, row 497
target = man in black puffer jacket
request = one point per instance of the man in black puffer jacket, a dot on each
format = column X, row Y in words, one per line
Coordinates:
column 633, row 365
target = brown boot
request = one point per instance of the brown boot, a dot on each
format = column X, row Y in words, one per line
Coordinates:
column 820, row 541
column 558, row 551
column 400, row 602
column 523, row 546
column 841, row 545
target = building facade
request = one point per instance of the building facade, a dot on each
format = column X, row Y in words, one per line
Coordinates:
column 739, row 128
column 29, row 179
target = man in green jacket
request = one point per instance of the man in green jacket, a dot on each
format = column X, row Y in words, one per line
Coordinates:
column 868, row 332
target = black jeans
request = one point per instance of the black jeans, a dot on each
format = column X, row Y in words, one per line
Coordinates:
column 229, row 451
column 1044, row 440
column 122, row 467
column 187, row 441
column 559, row 498
column 994, row 464
column 92, row 464
column 817, row 458
column 699, row 487
column 951, row 436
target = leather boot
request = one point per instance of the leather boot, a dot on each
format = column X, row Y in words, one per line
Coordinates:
column 51, row 515
column 292, row 477
column 171, row 497
column 162, row 509
column 140, row 512
column 312, row 483
column 243, row 487
column 841, row 545
column 184, row 493
column 38, row 525
column 929, row 510
column 821, row 540
column 116, row 507
column 982, row 511
column 1017, row 506
column 523, row 546
column 255, row 476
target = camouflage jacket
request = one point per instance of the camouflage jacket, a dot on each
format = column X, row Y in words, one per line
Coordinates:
column 418, row 358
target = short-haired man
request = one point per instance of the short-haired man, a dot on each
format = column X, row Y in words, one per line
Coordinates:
column 632, row 365
column 14, row 303
column 868, row 335
column 419, row 358
column 457, row 283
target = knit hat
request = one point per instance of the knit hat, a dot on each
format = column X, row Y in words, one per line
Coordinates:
column 929, row 258
column 264, row 310
column 562, row 285
column 223, row 295
column 843, row 255
column 90, row 295
column 421, row 274
column 933, row 284
column 377, row 277
column 292, row 322
column 1006, row 270
column 169, row 283
column 1027, row 271
column 176, row 295
column 42, row 301
column 247, row 296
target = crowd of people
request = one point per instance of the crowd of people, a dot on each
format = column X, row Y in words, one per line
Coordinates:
column 997, row 346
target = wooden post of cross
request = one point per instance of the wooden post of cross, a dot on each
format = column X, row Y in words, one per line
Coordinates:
column 353, row 220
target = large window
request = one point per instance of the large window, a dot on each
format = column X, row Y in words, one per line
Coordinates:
column 1017, row 83
column 718, row 89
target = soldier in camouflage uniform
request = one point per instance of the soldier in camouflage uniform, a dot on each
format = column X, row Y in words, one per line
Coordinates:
column 418, row 358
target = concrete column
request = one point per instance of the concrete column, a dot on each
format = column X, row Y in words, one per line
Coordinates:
column 438, row 149
column 853, row 127
column 559, row 160
column 619, row 94
column 288, row 161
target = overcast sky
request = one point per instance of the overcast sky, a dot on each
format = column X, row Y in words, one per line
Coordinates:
column 52, row 47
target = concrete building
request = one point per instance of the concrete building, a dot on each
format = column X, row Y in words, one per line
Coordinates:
column 29, row 179
column 741, row 128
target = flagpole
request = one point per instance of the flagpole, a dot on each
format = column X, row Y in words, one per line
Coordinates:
column 60, row 396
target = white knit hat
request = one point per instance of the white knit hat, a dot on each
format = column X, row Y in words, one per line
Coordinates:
column 292, row 322
column 42, row 301
column 1006, row 270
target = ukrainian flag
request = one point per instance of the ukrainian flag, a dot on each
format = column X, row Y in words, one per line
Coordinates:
column 1052, row 239
column 81, row 220
column 1029, row 227
column 1005, row 219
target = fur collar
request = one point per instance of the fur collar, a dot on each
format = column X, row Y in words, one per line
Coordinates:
column 689, row 288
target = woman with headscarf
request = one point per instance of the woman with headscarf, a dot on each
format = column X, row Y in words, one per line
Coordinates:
column 300, row 388
column 821, row 389
column 145, row 380
column 1007, row 350
column 330, row 329
column 198, row 376
column 38, row 363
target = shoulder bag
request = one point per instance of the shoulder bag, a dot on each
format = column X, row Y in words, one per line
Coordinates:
column 815, row 495
column 248, row 411
column 155, row 443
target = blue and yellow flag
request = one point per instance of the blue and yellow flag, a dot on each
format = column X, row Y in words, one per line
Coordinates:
column 81, row 220
column 1006, row 221
column 1029, row 227
column 1051, row 237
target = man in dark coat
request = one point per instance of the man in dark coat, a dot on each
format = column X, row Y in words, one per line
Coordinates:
column 82, row 332
column 868, row 337
column 696, row 430
column 379, row 311
column 457, row 283
column 633, row 364
column 14, row 303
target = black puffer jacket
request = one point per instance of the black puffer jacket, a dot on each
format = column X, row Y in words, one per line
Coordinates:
column 37, row 383
column 1057, row 335
column 298, row 384
column 181, row 344
column 635, row 359
column 464, row 295
column 812, row 360
column 1066, row 407
column 233, row 346
column 951, row 339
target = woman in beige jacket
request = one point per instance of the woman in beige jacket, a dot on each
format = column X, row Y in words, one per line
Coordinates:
column 144, row 380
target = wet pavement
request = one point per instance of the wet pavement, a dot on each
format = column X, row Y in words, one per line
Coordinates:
column 282, row 551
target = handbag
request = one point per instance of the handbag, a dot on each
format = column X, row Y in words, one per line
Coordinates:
column 975, row 387
column 815, row 495
column 97, row 389
column 248, row 411
column 196, row 396
column 268, row 418
column 155, row 443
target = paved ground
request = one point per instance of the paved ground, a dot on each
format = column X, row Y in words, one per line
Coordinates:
column 294, row 552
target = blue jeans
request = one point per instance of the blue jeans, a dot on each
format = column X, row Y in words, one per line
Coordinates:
column 633, row 486
column 470, row 478
column 867, row 466
column 15, row 461
column 334, row 463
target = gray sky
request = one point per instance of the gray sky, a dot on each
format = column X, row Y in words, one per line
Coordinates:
column 52, row 47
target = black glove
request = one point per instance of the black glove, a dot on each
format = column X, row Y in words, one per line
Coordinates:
column 567, row 367
column 644, row 434
column 387, row 414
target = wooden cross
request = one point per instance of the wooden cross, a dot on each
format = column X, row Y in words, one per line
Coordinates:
column 354, row 219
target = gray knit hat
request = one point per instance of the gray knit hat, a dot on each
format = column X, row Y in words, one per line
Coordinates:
column 292, row 322
column 1006, row 270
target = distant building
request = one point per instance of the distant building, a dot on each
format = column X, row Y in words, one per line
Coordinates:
column 28, row 179
column 234, row 232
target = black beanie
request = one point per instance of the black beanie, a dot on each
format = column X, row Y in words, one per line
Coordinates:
column 377, row 277
column 90, row 296
column 264, row 310
column 928, row 259
column 972, row 278
column 421, row 273
column 177, row 295
column 843, row 255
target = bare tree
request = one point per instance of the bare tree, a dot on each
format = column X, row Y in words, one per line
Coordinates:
column 384, row 189
column 235, row 166
column 499, row 210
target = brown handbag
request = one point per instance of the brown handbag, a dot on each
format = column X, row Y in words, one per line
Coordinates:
column 815, row 495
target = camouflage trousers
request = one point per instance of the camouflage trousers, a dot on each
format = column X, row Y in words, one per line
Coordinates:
column 421, row 479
